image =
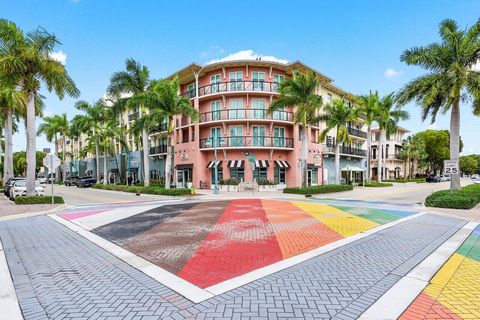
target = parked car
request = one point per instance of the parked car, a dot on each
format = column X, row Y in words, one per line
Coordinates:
column 433, row 178
column 85, row 182
column 476, row 178
column 9, row 184
column 19, row 188
column 444, row 177
column 71, row 181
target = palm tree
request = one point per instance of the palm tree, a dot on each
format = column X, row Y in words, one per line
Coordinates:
column 413, row 151
column 130, row 90
column 165, row 103
column 90, row 124
column 389, row 114
column 368, row 110
column 27, row 60
column 300, row 92
column 53, row 127
column 450, row 79
column 336, row 116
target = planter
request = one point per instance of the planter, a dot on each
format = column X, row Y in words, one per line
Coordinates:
column 267, row 188
column 227, row 188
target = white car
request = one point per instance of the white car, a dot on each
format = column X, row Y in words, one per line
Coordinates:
column 19, row 188
column 476, row 178
column 444, row 177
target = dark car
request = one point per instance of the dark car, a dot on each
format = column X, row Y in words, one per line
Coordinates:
column 71, row 181
column 9, row 184
column 85, row 182
column 433, row 178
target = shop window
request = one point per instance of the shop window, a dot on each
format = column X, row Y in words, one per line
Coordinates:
column 237, row 173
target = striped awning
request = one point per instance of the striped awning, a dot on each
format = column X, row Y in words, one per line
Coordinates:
column 211, row 164
column 261, row 163
column 235, row 164
column 282, row 164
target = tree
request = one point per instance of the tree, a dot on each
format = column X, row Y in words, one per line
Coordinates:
column 437, row 149
column 468, row 165
column 336, row 116
column 450, row 79
column 90, row 124
column 389, row 114
column 27, row 59
column 130, row 89
column 53, row 127
column 413, row 151
column 369, row 110
column 300, row 92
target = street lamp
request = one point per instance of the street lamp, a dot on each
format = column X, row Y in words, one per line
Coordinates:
column 214, row 141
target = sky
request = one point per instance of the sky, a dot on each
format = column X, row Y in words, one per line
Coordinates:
column 356, row 43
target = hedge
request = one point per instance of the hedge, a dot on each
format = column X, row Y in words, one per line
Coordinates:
column 466, row 198
column 145, row 190
column 38, row 200
column 374, row 184
column 417, row 180
column 319, row 189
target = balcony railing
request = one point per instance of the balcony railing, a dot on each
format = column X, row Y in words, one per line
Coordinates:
column 357, row 133
column 233, row 86
column 158, row 149
column 394, row 156
column 346, row 150
column 160, row 128
column 232, row 114
column 247, row 141
column 132, row 116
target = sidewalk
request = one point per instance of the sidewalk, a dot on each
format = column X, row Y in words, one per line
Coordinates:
column 8, row 207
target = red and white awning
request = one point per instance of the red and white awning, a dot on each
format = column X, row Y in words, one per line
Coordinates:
column 261, row 163
column 211, row 164
column 282, row 164
column 235, row 164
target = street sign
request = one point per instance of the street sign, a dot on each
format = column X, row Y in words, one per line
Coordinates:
column 251, row 158
column 51, row 161
column 450, row 167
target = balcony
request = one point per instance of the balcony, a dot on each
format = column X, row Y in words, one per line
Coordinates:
column 394, row 156
column 161, row 149
column 160, row 128
column 247, row 142
column 357, row 133
column 246, row 114
column 330, row 148
column 133, row 116
column 233, row 86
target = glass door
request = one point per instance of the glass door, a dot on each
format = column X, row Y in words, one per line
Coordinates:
column 215, row 83
column 215, row 110
column 258, row 136
column 235, row 109
column 258, row 80
column 259, row 111
column 278, row 137
column 180, row 179
column 216, row 137
column 236, row 136
column 236, row 79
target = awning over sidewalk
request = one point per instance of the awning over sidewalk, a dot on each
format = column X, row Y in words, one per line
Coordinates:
column 352, row 169
column 211, row 164
column 235, row 163
column 261, row 163
column 282, row 164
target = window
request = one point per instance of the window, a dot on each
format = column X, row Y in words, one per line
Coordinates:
column 314, row 176
column 191, row 90
column 215, row 110
column 219, row 174
column 260, row 173
column 280, row 114
column 259, row 111
column 236, row 79
column 278, row 137
column 259, row 136
column 279, row 175
column 215, row 83
column 236, row 133
column 329, row 98
column 193, row 133
column 258, row 80
column 216, row 137
column 277, row 79
column 185, row 135
column 237, row 173
column 236, row 109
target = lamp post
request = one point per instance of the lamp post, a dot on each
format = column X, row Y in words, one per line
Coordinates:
column 215, row 190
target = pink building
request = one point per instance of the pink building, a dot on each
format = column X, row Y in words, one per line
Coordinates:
column 233, row 98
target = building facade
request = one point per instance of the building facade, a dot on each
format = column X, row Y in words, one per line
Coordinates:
column 394, row 166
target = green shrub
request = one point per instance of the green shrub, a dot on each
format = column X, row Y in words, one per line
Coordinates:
column 319, row 189
column 417, row 180
column 374, row 184
column 145, row 190
column 264, row 182
column 38, row 200
column 229, row 182
column 466, row 198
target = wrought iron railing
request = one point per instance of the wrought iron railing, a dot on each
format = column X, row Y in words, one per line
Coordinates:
column 133, row 116
column 249, row 114
column 357, row 133
column 233, row 86
column 346, row 150
column 161, row 149
column 246, row 141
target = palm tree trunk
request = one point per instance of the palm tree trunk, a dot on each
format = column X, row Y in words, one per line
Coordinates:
column 8, row 155
column 337, row 162
column 455, row 143
column 105, row 178
column 31, row 148
column 380, row 157
column 369, row 146
column 304, row 157
column 97, row 159
column 146, row 159
column 64, row 167
column 57, row 170
column 168, row 162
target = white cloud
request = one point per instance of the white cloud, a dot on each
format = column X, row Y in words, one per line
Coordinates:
column 47, row 113
column 59, row 56
column 476, row 66
column 212, row 51
column 391, row 73
column 248, row 55
column 432, row 126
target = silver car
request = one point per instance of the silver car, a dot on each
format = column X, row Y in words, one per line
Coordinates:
column 19, row 188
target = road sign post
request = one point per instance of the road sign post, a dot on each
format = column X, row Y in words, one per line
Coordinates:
column 251, row 159
column 51, row 161
column 451, row 168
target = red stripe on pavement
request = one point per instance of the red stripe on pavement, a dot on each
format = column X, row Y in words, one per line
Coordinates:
column 81, row 214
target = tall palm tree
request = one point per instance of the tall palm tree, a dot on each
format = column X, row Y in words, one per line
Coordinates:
column 450, row 79
column 336, row 116
column 130, row 89
column 27, row 59
column 53, row 127
column 368, row 110
column 90, row 123
column 413, row 151
column 300, row 92
column 389, row 114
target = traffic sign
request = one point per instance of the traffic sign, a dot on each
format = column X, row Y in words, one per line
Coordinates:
column 450, row 167
column 51, row 161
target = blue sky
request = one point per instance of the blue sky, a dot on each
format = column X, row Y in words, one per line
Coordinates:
column 357, row 43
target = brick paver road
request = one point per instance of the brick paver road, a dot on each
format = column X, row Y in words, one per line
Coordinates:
column 59, row 275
